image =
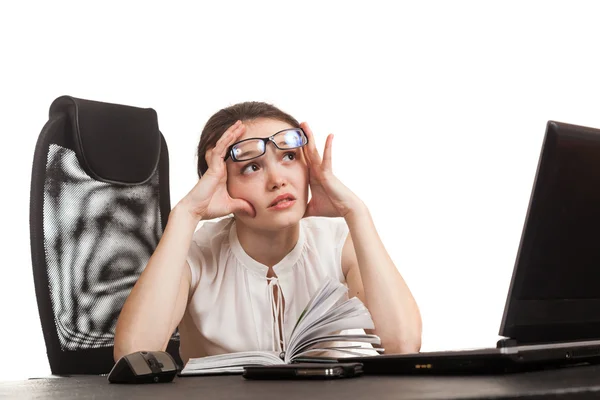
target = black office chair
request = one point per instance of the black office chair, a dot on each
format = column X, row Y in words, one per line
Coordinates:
column 99, row 205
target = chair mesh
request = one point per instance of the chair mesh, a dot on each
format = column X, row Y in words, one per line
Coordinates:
column 98, row 238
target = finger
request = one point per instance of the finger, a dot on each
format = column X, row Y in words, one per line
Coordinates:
column 309, row 210
column 219, row 151
column 216, row 167
column 225, row 137
column 212, row 159
column 327, row 153
column 244, row 206
column 312, row 151
column 228, row 132
column 207, row 156
column 306, row 156
column 228, row 139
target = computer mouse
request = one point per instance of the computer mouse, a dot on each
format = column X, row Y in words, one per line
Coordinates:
column 144, row 367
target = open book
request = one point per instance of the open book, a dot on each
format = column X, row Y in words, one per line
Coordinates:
column 326, row 313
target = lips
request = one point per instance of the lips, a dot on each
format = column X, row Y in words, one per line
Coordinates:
column 283, row 197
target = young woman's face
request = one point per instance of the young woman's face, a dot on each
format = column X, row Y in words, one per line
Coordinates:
column 262, row 180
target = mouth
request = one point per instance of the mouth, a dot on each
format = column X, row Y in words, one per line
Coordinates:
column 283, row 200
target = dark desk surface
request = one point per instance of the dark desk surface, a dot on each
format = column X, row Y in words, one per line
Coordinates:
column 574, row 382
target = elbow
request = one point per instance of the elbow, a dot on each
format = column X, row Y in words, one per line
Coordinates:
column 125, row 347
column 118, row 352
column 402, row 346
column 121, row 348
column 410, row 340
column 405, row 342
column 120, row 345
column 413, row 346
column 126, row 343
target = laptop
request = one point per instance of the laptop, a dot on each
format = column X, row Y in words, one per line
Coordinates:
column 552, row 311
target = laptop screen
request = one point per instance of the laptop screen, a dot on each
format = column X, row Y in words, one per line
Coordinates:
column 554, row 293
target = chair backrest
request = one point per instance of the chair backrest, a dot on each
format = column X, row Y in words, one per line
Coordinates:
column 98, row 207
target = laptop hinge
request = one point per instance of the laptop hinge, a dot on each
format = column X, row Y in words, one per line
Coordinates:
column 506, row 342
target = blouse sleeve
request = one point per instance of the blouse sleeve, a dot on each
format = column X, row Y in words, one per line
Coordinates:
column 195, row 260
column 340, row 234
column 205, row 248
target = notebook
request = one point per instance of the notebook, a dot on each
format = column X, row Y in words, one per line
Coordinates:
column 552, row 311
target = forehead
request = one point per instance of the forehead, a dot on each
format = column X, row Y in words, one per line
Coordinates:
column 262, row 127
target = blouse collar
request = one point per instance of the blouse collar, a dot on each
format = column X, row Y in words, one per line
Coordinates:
column 286, row 262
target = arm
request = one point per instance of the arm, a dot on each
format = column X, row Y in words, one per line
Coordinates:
column 157, row 301
column 372, row 277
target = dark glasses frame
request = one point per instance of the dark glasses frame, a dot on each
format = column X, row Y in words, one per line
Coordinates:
column 266, row 141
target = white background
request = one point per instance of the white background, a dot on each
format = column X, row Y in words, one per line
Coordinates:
column 438, row 110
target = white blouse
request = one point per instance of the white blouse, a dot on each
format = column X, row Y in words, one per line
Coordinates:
column 231, row 305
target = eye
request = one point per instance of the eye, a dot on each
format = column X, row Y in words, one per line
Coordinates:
column 250, row 168
column 291, row 156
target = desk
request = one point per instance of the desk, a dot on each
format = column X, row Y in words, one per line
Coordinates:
column 573, row 383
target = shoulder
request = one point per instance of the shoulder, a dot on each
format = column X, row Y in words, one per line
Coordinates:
column 325, row 229
column 206, row 247
column 325, row 238
column 212, row 233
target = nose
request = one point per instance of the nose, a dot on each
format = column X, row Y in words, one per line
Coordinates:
column 274, row 170
column 275, row 177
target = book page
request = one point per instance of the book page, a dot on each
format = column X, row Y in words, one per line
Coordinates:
column 347, row 351
column 317, row 303
column 324, row 316
column 357, row 338
column 230, row 363
column 328, row 295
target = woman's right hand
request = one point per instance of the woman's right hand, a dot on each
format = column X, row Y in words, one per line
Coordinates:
column 209, row 198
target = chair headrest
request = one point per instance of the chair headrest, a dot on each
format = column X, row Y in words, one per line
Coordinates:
column 114, row 143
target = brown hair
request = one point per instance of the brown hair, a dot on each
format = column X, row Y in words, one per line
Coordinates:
column 224, row 118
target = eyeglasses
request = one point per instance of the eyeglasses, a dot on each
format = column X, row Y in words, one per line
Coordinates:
column 249, row 149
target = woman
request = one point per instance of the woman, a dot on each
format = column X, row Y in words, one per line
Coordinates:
column 239, row 283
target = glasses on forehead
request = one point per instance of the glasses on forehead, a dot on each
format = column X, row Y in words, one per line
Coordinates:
column 248, row 149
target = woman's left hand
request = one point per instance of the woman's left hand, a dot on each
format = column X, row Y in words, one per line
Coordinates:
column 330, row 197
